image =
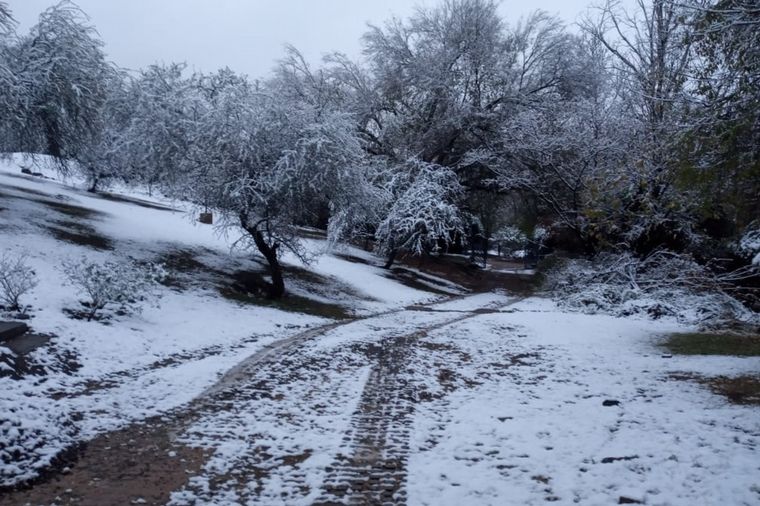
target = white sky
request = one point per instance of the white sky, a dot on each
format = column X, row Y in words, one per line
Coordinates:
column 247, row 35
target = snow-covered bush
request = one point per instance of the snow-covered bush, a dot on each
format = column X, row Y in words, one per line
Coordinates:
column 664, row 284
column 510, row 239
column 123, row 284
column 749, row 244
column 16, row 279
column 423, row 210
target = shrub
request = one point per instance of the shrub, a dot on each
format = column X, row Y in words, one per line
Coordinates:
column 661, row 284
column 123, row 284
column 16, row 279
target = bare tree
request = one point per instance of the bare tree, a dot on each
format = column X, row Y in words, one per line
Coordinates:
column 651, row 50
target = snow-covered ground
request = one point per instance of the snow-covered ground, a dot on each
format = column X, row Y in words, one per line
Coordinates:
column 535, row 429
column 129, row 369
column 421, row 399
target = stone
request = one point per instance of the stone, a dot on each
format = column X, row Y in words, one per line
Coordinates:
column 9, row 330
column 611, row 402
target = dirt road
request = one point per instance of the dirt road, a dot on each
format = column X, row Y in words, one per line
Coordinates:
column 345, row 387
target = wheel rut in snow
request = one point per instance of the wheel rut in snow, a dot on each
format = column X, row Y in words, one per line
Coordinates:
column 375, row 470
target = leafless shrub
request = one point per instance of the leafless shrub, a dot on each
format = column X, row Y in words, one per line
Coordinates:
column 661, row 284
column 122, row 284
column 16, row 279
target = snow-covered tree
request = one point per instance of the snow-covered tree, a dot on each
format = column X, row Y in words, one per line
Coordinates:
column 650, row 48
column 723, row 160
column 267, row 163
column 11, row 114
column 164, row 108
column 439, row 78
column 62, row 64
column 423, row 210
column 106, row 156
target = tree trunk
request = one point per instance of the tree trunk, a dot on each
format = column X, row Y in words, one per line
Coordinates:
column 391, row 259
column 94, row 186
column 277, row 288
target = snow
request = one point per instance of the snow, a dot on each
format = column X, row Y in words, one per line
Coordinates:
column 508, row 393
column 288, row 414
column 539, row 432
column 133, row 361
column 750, row 245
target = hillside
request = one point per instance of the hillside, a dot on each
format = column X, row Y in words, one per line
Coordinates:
column 355, row 387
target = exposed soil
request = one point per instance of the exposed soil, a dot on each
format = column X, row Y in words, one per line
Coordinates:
column 80, row 234
column 140, row 464
column 460, row 271
column 737, row 389
column 144, row 462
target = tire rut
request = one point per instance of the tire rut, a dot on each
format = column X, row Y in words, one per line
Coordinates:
column 375, row 471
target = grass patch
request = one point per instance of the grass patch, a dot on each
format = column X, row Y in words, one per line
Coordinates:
column 351, row 258
column 411, row 280
column 27, row 190
column 46, row 199
column 713, row 344
column 82, row 235
column 131, row 200
column 183, row 260
column 739, row 389
column 71, row 210
column 185, row 269
column 290, row 302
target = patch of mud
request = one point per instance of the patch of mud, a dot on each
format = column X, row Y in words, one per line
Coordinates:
column 131, row 200
column 737, row 389
column 79, row 234
column 140, row 464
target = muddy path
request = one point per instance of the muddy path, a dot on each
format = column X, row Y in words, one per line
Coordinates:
column 145, row 462
column 375, row 471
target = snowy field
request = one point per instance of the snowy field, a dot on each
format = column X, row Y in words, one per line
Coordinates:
column 120, row 373
column 419, row 398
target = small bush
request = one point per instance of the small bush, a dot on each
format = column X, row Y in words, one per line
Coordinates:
column 16, row 279
column 105, row 284
column 664, row 284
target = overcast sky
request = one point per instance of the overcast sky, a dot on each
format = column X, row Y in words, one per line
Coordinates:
column 247, row 35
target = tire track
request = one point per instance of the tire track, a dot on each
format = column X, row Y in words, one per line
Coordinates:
column 375, row 470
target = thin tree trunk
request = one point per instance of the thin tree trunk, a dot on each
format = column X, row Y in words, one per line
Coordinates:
column 391, row 259
column 277, row 288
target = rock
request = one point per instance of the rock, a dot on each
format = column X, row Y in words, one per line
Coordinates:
column 666, row 355
column 26, row 170
column 610, row 460
column 9, row 330
column 611, row 402
column 627, row 500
